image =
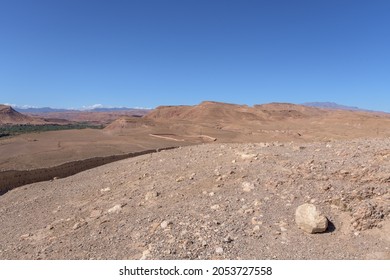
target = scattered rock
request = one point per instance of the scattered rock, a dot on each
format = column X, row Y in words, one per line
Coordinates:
column 215, row 207
column 25, row 236
column 228, row 239
column 115, row 209
column 49, row 227
column 151, row 195
column 248, row 156
column 165, row 224
column 146, row 255
column 248, row 186
column 180, row 179
column 310, row 220
column 247, row 215
column 219, row 250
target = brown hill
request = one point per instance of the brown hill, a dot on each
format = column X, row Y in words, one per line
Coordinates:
column 209, row 111
column 205, row 112
column 269, row 122
column 9, row 116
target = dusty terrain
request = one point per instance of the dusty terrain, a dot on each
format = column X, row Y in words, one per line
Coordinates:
column 210, row 201
column 229, row 192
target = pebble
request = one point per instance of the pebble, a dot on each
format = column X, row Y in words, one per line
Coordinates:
column 219, row 250
column 248, row 186
column 215, row 207
column 115, row 209
column 180, row 179
column 165, row 224
column 151, row 195
column 76, row 226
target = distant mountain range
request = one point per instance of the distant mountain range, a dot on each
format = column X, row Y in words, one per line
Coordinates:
column 45, row 110
column 54, row 110
column 335, row 106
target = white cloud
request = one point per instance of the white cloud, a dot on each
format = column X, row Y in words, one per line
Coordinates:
column 20, row 106
column 142, row 108
column 91, row 107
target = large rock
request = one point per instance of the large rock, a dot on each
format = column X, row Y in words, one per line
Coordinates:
column 309, row 219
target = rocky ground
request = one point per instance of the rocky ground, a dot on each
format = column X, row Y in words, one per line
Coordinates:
column 212, row 201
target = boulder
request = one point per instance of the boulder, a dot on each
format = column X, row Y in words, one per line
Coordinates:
column 310, row 220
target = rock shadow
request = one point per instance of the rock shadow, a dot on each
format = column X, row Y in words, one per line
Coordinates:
column 331, row 227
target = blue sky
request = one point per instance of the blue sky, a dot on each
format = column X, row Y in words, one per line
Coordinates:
column 144, row 53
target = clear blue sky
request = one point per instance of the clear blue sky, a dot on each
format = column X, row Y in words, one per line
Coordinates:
column 73, row 53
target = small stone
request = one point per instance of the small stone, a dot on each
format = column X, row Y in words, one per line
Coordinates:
column 105, row 190
column 256, row 221
column 248, row 186
column 180, row 179
column 151, row 195
column 283, row 229
column 215, row 207
column 310, row 220
column 228, row 239
column 248, row 156
column 25, row 236
column 145, row 255
column 165, row 224
column 116, row 209
column 219, row 250
column 49, row 227
column 76, row 226
column 256, row 228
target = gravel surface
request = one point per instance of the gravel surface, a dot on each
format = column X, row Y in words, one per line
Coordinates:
column 212, row 201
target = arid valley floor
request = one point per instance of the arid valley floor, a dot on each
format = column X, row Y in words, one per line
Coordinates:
column 229, row 190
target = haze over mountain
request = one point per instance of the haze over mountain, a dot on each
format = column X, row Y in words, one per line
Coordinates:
column 42, row 115
column 102, row 108
column 39, row 110
column 333, row 105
